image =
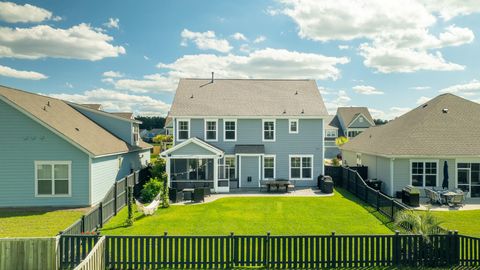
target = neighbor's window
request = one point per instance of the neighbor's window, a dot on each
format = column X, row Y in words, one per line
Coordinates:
column 210, row 130
column 269, row 130
column 353, row 133
column 230, row 127
column 53, row 178
column 301, row 167
column 424, row 174
column 183, row 130
column 293, row 126
column 230, row 164
column 359, row 159
column 330, row 133
column 360, row 119
column 269, row 167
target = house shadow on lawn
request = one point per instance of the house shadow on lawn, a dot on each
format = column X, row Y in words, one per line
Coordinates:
column 34, row 211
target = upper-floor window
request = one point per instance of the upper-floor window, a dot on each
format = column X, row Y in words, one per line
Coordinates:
column 211, row 130
column 293, row 126
column 230, row 130
column 52, row 178
column 269, row 130
column 183, row 130
column 360, row 119
column 331, row 133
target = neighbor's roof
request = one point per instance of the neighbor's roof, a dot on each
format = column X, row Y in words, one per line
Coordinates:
column 349, row 114
column 247, row 97
column 93, row 106
column 331, row 122
column 126, row 115
column 64, row 119
column 426, row 131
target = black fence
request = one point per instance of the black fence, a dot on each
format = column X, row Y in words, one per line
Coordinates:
column 114, row 201
column 284, row 252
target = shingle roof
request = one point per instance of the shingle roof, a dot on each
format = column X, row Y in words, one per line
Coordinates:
column 64, row 119
column 93, row 106
column 348, row 114
column 126, row 115
column 426, row 131
column 247, row 97
column 331, row 122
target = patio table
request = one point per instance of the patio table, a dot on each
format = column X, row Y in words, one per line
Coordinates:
column 447, row 196
column 188, row 194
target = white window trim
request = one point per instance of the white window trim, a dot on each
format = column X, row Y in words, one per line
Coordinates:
column 234, row 160
column 424, row 169
column 178, row 129
column 205, row 130
column 274, row 129
column 301, row 167
column 331, row 130
column 274, row 166
column 290, row 127
column 225, row 131
column 51, row 162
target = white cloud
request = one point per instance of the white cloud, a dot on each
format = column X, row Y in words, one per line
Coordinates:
column 113, row 23
column 448, row 9
column 340, row 99
column 260, row 39
column 149, row 83
column 78, row 42
column 239, row 36
column 14, row 13
column 367, row 90
column 420, row 87
column 146, row 57
column 205, row 41
column 69, row 85
column 471, row 87
column 397, row 32
column 114, row 101
column 112, row 74
column 389, row 114
column 21, row 74
column 343, row 47
column 422, row 100
column 245, row 48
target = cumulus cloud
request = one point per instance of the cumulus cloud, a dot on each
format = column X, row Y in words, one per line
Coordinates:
column 472, row 87
column 112, row 74
column 205, row 41
column 114, row 101
column 113, row 23
column 14, row 13
column 260, row 39
column 397, row 32
column 449, row 9
column 367, row 90
column 78, row 42
column 422, row 100
column 239, row 36
column 337, row 99
column 343, row 47
column 21, row 74
column 149, row 83
column 420, row 87
column 388, row 114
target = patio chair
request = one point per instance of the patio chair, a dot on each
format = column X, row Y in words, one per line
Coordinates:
column 437, row 198
column 198, row 195
column 429, row 195
column 175, row 195
column 457, row 200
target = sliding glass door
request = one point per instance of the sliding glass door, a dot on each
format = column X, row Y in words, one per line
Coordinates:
column 468, row 178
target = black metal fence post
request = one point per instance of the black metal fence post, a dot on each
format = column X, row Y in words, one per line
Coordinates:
column 231, row 262
column 396, row 249
column 100, row 214
column 456, row 248
column 333, row 261
column 126, row 190
column 83, row 224
column 378, row 200
column 267, row 257
column 115, row 199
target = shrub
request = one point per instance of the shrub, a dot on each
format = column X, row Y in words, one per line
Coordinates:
column 335, row 162
column 158, row 169
column 151, row 189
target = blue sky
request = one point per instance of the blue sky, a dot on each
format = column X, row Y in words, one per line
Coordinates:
column 387, row 55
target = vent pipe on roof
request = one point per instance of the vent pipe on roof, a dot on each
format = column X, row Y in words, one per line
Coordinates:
column 445, row 110
column 213, row 76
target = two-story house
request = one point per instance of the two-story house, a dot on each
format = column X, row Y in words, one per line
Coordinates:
column 58, row 153
column 331, row 134
column 353, row 120
column 232, row 133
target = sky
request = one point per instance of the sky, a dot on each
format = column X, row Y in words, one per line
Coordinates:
column 390, row 56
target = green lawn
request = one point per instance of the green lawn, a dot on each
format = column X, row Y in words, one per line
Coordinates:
column 256, row 215
column 465, row 222
column 35, row 223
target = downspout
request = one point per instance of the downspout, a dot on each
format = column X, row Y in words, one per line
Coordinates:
column 392, row 171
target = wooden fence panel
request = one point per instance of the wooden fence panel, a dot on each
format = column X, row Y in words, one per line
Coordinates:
column 28, row 253
column 95, row 259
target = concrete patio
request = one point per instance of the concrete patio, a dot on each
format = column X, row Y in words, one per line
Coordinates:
column 470, row 204
column 255, row 192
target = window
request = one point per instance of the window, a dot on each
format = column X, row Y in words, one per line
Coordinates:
column 424, row 173
column 293, row 126
column 230, row 167
column 353, row 133
column 301, row 167
column 183, row 132
column 52, row 178
column 135, row 134
column 269, row 167
column 330, row 133
column 268, row 130
column 211, row 130
column 230, row 128
column 360, row 119
column 359, row 159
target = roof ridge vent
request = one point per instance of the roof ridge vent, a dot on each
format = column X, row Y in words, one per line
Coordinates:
column 424, row 105
column 445, row 110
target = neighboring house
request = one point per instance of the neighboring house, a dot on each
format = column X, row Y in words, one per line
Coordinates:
column 57, row 153
column 232, row 133
column 413, row 148
column 353, row 120
column 148, row 135
column 331, row 133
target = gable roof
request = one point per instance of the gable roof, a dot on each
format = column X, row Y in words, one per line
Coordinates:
column 193, row 140
column 126, row 115
column 349, row 114
column 61, row 118
column 93, row 106
column 247, row 97
column 331, row 122
column 426, row 131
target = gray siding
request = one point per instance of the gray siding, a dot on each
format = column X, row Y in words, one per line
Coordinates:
column 120, row 128
column 24, row 141
column 249, row 131
column 358, row 124
column 331, row 149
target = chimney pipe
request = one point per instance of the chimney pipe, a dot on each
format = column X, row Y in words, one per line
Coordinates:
column 213, row 76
